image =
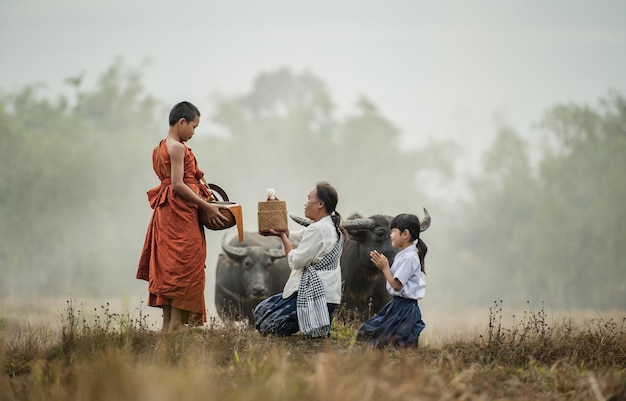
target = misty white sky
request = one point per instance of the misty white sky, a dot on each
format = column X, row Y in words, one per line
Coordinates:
column 436, row 69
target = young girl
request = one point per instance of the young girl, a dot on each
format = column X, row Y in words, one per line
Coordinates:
column 400, row 321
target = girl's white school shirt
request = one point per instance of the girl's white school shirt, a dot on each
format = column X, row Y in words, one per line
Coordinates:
column 407, row 269
column 312, row 244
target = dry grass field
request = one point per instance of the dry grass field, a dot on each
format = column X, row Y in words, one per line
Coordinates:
column 110, row 353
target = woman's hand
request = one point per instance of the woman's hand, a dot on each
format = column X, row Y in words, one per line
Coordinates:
column 284, row 237
column 275, row 233
column 379, row 260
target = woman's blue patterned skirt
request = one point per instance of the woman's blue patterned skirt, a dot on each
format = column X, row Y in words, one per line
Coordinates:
column 279, row 317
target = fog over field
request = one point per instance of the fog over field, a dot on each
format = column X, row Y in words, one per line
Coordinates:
column 446, row 76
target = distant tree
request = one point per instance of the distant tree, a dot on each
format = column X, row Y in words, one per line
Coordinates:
column 552, row 233
column 383, row 171
column 41, row 159
column 71, row 171
column 582, row 202
column 300, row 103
column 494, row 228
column 271, row 133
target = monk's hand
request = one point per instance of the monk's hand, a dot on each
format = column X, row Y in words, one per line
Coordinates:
column 215, row 216
column 379, row 260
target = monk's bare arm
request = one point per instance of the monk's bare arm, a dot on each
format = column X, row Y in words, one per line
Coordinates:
column 176, row 151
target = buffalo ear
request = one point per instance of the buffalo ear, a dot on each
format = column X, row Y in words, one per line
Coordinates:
column 355, row 216
column 358, row 235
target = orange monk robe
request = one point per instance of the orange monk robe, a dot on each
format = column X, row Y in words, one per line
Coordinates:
column 173, row 259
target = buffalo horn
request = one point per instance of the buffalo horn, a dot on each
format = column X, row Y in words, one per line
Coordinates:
column 233, row 251
column 425, row 223
column 358, row 224
column 275, row 253
column 303, row 221
column 355, row 224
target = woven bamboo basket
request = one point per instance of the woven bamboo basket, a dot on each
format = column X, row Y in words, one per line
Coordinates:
column 272, row 215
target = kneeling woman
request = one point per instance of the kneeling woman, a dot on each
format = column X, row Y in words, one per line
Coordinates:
column 313, row 290
column 399, row 323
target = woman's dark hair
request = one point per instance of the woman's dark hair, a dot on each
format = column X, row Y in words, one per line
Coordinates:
column 184, row 110
column 328, row 195
column 411, row 222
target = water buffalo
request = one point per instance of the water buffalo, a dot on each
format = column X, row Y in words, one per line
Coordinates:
column 364, row 291
column 248, row 272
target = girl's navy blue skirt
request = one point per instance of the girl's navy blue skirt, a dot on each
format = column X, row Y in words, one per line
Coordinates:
column 279, row 317
column 398, row 323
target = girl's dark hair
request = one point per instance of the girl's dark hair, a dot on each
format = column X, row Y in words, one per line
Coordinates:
column 328, row 195
column 184, row 110
column 411, row 222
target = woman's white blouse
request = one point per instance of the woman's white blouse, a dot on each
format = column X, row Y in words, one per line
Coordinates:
column 312, row 243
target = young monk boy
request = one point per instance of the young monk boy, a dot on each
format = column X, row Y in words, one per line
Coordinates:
column 174, row 252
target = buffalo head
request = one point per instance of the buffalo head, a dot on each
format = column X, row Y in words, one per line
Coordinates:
column 248, row 272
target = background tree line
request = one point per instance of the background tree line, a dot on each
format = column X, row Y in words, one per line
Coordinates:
column 75, row 170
